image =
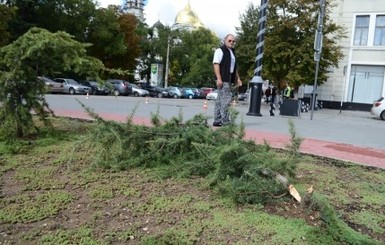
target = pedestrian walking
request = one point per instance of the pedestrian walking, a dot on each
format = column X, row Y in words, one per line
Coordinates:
column 268, row 94
column 225, row 69
column 273, row 94
column 273, row 100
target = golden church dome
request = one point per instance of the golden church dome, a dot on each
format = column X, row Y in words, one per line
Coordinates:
column 188, row 18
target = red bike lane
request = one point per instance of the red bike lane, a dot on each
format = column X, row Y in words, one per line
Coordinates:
column 345, row 152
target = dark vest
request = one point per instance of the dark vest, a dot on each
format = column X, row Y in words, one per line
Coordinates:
column 225, row 65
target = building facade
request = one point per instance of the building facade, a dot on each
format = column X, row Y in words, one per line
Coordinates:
column 135, row 7
column 360, row 78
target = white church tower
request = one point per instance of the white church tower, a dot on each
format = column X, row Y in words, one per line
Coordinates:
column 135, row 7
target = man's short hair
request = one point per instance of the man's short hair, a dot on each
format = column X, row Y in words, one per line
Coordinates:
column 228, row 36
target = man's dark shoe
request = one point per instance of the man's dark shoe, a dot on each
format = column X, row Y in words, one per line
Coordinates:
column 217, row 124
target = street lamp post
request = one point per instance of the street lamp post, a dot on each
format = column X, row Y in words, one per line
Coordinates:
column 256, row 82
column 317, row 52
column 167, row 62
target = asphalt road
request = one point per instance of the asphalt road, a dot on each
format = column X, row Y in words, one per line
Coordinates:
column 348, row 127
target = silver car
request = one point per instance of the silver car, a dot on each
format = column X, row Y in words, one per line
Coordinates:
column 172, row 92
column 70, row 86
column 136, row 91
column 51, row 86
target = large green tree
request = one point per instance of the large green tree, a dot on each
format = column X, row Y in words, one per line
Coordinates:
column 6, row 13
column 289, row 41
column 72, row 16
column 289, row 53
column 190, row 55
column 112, row 32
column 115, row 39
column 201, row 44
column 146, row 57
column 24, row 18
column 38, row 52
column 246, row 42
column 128, row 25
column 106, row 36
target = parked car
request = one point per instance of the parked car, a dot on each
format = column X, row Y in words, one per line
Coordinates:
column 51, row 86
column 137, row 91
column 119, row 87
column 154, row 91
column 378, row 108
column 206, row 91
column 70, row 86
column 212, row 95
column 96, row 88
column 187, row 93
column 243, row 96
column 199, row 93
column 172, row 92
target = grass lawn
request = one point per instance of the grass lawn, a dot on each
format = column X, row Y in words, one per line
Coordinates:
column 53, row 193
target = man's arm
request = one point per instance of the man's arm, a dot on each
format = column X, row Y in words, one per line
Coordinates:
column 238, row 79
column 217, row 72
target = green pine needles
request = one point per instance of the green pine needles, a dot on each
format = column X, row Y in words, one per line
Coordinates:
column 238, row 168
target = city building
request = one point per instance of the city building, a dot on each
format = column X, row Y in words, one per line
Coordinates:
column 135, row 7
column 360, row 78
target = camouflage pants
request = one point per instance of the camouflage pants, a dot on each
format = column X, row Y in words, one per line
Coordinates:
column 221, row 109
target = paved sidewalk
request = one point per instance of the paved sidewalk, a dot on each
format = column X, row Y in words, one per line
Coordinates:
column 368, row 156
column 352, row 136
column 346, row 152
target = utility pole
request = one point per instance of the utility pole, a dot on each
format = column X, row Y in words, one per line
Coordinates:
column 256, row 81
column 167, row 62
column 317, row 52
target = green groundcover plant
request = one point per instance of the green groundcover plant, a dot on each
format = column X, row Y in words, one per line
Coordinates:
column 175, row 182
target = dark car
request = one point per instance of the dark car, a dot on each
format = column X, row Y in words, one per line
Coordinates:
column 154, row 91
column 119, row 87
column 96, row 88
column 199, row 93
column 206, row 91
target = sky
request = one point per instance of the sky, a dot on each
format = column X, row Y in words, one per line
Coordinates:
column 220, row 16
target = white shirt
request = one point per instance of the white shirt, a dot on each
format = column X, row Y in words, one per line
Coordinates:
column 218, row 55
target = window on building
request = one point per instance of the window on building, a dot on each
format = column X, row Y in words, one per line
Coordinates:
column 379, row 33
column 366, row 83
column 361, row 30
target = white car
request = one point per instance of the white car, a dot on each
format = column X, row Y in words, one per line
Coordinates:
column 378, row 108
column 212, row 95
column 137, row 91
